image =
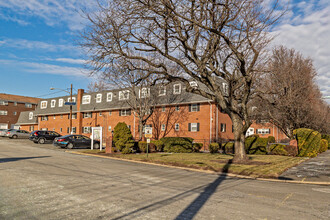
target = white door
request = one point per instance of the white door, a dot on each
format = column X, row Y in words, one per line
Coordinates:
column 3, row 126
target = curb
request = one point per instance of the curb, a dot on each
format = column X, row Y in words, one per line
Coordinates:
column 206, row 171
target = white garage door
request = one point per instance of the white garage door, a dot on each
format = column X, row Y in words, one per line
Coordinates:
column 3, row 126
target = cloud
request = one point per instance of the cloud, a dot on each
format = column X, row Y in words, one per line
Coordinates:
column 43, row 68
column 70, row 60
column 307, row 30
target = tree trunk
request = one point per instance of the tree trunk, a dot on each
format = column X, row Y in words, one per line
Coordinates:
column 239, row 138
column 140, row 129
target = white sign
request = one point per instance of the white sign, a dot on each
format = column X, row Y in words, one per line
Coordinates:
column 148, row 140
column 96, row 135
column 148, row 132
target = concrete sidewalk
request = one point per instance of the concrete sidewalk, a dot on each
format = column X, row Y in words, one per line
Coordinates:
column 313, row 170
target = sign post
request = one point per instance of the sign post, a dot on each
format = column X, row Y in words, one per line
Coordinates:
column 148, row 134
column 96, row 135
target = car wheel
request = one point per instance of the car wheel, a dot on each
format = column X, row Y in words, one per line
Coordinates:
column 14, row 137
column 69, row 146
column 41, row 141
column 96, row 146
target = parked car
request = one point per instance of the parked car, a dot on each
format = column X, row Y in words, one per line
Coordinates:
column 14, row 133
column 75, row 141
column 42, row 137
column 3, row 133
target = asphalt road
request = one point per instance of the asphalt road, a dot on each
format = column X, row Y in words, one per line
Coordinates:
column 43, row 182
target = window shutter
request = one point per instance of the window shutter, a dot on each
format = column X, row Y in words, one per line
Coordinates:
column 189, row 127
column 268, row 131
column 197, row 126
column 257, row 131
column 198, row 107
column 129, row 112
column 119, row 112
column 189, row 107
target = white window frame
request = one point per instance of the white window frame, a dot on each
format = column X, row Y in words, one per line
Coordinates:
column 43, row 104
column 87, row 115
column 176, row 91
column 193, row 84
column 193, row 127
column 163, row 127
column 74, row 130
column 144, row 92
column 53, row 103
column 109, row 96
column 44, row 118
column 86, row 130
column 223, row 127
column 125, row 111
column 3, row 112
column 162, row 91
column 3, row 102
column 54, row 117
column 98, row 98
column 86, row 99
column 124, row 95
column 263, row 131
column 28, row 105
column 15, row 113
column 30, row 115
column 163, row 108
column 194, row 107
column 109, row 127
column 60, row 102
column 225, row 88
column 177, row 127
column 73, row 99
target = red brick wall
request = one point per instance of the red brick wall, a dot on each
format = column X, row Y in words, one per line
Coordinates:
column 274, row 131
column 10, row 118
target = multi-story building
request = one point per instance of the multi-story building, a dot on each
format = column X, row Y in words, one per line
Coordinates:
column 11, row 106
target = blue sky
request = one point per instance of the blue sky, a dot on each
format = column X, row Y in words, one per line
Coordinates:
column 38, row 43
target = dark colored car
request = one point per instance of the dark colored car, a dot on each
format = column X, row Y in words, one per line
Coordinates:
column 75, row 141
column 42, row 137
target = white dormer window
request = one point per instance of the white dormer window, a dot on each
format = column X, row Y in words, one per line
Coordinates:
column 30, row 115
column 162, row 91
column 193, row 84
column 177, row 89
column 144, row 92
column 43, row 104
column 225, row 88
column 99, row 98
column 73, row 99
column 53, row 103
column 124, row 95
column 86, row 99
column 109, row 96
column 60, row 102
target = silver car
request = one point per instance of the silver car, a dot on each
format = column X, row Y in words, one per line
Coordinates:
column 3, row 132
column 13, row 133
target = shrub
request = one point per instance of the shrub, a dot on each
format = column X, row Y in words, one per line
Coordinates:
column 214, row 148
column 126, row 150
column 249, row 141
column 123, row 138
column 159, row 146
column 256, row 145
column 271, row 139
column 197, row 147
column 284, row 150
column 177, row 144
column 229, row 148
column 323, row 145
column 292, row 150
column 142, row 145
column 308, row 142
column 326, row 137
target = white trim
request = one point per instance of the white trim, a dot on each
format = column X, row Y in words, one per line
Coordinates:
column 99, row 98
column 53, row 103
column 86, row 99
column 60, row 102
column 162, row 91
column 30, row 115
column 179, row 89
column 43, row 104
column 109, row 96
column 124, row 95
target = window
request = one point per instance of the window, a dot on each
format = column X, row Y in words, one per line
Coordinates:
column 129, row 127
column 52, row 103
column 223, row 127
column 61, row 116
column 3, row 102
column 109, row 96
column 110, row 113
column 225, row 88
column 193, row 84
column 177, row 108
column 124, row 95
column 15, row 103
column 100, row 114
column 177, row 127
column 74, row 130
column 263, row 131
column 54, row 117
column 163, row 127
column 163, row 109
column 3, row 112
column 124, row 112
column 15, row 113
column 44, row 118
column 144, row 92
column 86, row 130
column 60, row 102
column 87, row 114
column 61, row 130
column 30, row 115
column 31, row 128
column 73, row 99
column 86, row 99
column 74, row 116
column 43, row 104
column 109, row 128
column 193, row 127
column 98, row 98
column 162, row 91
column 28, row 105
column 194, row 107
column 177, row 89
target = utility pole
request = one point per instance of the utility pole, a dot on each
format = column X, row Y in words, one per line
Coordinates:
column 70, row 132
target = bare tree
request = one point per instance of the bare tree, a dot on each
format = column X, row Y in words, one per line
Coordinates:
column 97, row 86
column 173, row 40
column 289, row 96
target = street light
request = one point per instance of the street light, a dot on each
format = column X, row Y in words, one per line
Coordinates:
column 70, row 131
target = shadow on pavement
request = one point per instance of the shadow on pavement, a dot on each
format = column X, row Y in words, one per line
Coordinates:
column 13, row 159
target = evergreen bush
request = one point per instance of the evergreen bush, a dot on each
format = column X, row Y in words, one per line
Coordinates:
column 197, row 147
column 228, row 148
column 256, row 145
column 323, row 145
column 277, row 149
column 271, row 139
column 326, row 137
column 123, row 138
column 159, row 146
column 214, row 148
column 177, row 144
column 308, row 142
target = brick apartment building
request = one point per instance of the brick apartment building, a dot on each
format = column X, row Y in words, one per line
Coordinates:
column 177, row 113
column 11, row 106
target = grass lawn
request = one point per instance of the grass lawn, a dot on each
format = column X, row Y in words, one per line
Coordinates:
column 270, row 166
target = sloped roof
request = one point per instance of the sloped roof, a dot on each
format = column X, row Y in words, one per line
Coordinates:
column 18, row 98
column 24, row 118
